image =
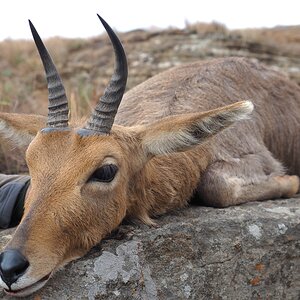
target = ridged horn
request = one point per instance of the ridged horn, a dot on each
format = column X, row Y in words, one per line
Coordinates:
column 103, row 116
column 58, row 110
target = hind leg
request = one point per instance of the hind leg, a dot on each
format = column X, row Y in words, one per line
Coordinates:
column 253, row 177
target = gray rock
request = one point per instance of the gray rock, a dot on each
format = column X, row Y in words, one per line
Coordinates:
column 250, row 251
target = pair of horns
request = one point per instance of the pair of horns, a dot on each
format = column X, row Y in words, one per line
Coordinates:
column 102, row 118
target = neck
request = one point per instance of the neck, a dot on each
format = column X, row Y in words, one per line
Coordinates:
column 166, row 183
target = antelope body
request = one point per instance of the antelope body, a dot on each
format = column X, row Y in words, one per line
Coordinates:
column 167, row 145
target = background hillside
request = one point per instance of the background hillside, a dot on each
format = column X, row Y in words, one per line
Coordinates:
column 86, row 65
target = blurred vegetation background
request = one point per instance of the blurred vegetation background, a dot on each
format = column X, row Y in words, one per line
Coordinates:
column 86, row 65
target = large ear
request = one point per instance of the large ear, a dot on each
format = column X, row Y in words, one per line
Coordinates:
column 20, row 129
column 180, row 133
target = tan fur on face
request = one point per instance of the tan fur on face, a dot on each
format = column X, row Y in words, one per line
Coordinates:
column 65, row 215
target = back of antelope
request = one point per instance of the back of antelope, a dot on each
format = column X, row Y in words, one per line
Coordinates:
column 166, row 146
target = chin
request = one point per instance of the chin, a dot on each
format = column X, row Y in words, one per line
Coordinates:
column 26, row 291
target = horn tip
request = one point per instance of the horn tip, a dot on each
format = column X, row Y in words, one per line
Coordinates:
column 32, row 28
column 102, row 21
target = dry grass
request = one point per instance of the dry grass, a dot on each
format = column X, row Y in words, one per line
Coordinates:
column 22, row 82
column 279, row 35
column 286, row 38
column 23, row 87
column 207, row 28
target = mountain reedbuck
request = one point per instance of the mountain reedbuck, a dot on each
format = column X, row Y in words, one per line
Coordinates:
column 167, row 145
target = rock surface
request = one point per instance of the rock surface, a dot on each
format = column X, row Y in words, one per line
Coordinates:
column 250, row 251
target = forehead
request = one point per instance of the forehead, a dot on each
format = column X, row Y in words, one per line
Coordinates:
column 67, row 145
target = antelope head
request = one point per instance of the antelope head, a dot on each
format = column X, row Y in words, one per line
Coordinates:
column 82, row 178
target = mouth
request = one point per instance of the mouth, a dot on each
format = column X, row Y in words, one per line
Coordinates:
column 28, row 289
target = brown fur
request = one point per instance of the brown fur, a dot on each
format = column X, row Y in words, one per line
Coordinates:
column 172, row 150
column 247, row 157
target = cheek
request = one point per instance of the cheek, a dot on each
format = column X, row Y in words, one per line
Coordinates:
column 106, row 214
column 96, row 212
column 102, row 216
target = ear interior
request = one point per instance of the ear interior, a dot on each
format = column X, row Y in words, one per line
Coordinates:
column 20, row 129
column 180, row 133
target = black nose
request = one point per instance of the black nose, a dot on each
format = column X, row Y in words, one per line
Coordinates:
column 12, row 266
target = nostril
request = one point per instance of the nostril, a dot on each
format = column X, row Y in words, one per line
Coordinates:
column 12, row 266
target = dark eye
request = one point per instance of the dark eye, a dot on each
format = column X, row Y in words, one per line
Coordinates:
column 104, row 174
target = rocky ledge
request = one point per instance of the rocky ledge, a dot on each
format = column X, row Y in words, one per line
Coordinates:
column 250, row 251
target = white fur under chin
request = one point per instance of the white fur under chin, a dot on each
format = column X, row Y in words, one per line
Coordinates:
column 27, row 291
column 25, row 285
